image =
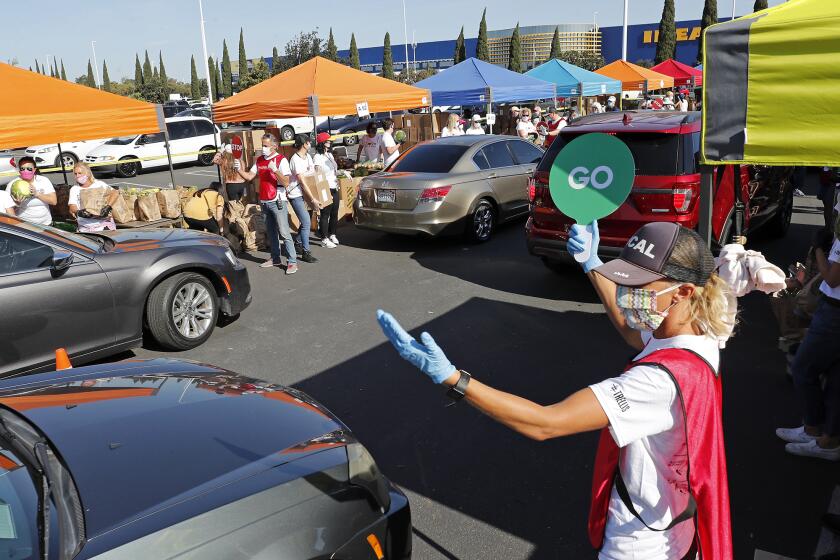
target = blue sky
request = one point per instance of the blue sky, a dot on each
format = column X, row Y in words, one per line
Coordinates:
column 121, row 28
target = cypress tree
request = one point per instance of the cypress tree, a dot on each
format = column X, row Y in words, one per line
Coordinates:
column 138, row 72
column 243, row 59
column 667, row 45
column 195, row 87
column 164, row 79
column 227, row 77
column 276, row 64
column 710, row 17
column 555, row 45
column 387, row 59
column 91, row 81
column 214, row 80
column 332, row 49
column 52, row 72
column 55, row 65
column 63, row 73
column 354, row 53
column 515, row 54
column 106, row 80
column 147, row 69
column 760, row 5
column 459, row 55
column 37, row 66
column 482, row 52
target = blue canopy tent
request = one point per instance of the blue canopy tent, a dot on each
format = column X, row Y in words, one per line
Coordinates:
column 574, row 81
column 475, row 82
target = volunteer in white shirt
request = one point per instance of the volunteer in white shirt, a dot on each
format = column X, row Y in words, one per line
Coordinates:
column 390, row 148
column 36, row 208
column 815, row 373
column 86, row 221
column 475, row 126
column 325, row 162
column 660, row 462
column 302, row 164
column 370, row 145
column 7, row 205
column 525, row 127
column 453, row 127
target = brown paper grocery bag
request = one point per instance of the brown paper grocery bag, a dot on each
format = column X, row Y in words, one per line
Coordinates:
column 169, row 202
column 131, row 206
column 93, row 199
column 122, row 212
column 148, row 209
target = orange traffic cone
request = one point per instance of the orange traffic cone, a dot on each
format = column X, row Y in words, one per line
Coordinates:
column 62, row 360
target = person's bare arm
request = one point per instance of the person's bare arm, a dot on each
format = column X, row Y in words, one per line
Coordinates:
column 284, row 180
column 73, row 209
column 49, row 198
column 830, row 271
column 10, row 211
column 245, row 174
column 606, row 291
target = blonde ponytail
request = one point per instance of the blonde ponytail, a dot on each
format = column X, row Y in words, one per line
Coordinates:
column 712, row 308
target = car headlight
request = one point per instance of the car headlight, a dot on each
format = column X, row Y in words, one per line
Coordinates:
column 365, row 473
column 231, row 257
column 106, row 158
column 43, row 150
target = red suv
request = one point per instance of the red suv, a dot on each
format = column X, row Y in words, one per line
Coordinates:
column 665, row 147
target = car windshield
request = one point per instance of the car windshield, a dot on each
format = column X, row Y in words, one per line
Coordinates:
column 80, row 242
column 429, row 158
column 121, row 141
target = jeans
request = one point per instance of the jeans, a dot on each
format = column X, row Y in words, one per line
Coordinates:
column 819, row 355
column 329, row 217
column 276, row 228
column 302, row 236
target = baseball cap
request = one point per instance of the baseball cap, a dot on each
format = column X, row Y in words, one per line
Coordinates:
column 647, row 257
column 476, row 117
column 322, row 137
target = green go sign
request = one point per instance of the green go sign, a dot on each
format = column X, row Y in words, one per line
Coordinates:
column 591, row 177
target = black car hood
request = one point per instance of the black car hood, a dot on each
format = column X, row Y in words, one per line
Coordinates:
column 155, row 238
column 140, row 435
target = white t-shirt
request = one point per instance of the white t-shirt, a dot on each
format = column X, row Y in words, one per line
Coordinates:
column 682, row 105
column 527, row 126
column 34, row 209
column 284, row 169
column 300, row 165
column 833, row 256
column 389, row 142
column 6, row 202
column 471, row 131
column 457, row 131
column 370, row 148
column 327, row 163
column 90, row 224
column 646, row 421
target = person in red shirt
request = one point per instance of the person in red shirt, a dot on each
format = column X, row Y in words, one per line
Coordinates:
column 556, row 123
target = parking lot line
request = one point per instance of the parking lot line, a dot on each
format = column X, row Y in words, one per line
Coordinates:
column 202, row 172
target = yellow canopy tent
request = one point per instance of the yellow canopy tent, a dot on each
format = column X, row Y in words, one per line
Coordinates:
column 319, row 87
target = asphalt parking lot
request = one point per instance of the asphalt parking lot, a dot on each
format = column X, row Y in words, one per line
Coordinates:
column 478, row 490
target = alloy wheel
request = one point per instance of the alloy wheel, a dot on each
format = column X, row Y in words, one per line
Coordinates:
column 192, row 310
column 483, row 222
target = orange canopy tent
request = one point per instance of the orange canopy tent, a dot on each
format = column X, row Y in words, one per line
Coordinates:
column 36, row 109
column 635, row 78
column 319, row 87
column 683, row 74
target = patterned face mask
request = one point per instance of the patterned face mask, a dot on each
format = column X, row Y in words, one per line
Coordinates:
column 640, row 308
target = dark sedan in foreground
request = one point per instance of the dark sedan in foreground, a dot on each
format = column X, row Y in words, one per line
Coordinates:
column 95, row 294
column 171, row 459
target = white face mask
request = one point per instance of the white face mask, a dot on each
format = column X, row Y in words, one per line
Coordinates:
column 267, row 151
column 81, row 179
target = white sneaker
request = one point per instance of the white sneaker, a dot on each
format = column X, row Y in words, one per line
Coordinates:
column 811, row 449
column 327, row 243
column 334, row 239
column 795, row 435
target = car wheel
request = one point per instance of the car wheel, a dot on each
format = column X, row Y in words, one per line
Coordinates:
column 351, row 140
column 481, row 222
column 779, row 224
column 287, row 134
column 205, row 158
column 127, row 168
column 182, row 311
column 68, row 159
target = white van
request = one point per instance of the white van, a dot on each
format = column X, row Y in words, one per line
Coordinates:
column 187, row 137
column 46, row 155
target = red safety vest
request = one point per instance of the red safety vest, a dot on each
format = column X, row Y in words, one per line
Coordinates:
column 551, row 128
column 699, row 390
column 268, row 180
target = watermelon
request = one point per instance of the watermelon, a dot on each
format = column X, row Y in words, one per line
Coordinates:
column 399, row 136
column 19, row 189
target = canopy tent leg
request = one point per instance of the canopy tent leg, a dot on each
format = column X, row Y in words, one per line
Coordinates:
column 169, row 156
column 216, row 141
column 61, row 162
column 704, row 225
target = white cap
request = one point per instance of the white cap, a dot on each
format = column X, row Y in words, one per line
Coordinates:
column 611, row 98
column 514, row 108
column 476, row 117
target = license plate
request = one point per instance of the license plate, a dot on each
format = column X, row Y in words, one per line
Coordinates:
column 385, row 195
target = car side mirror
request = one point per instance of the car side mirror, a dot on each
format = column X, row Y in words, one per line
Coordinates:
column 61, row 261
column 140, row 141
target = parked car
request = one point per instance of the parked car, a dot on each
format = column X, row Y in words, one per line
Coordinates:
column 289, row 127
column 460, row 184
column 665, row 147
column 200, row 111
column 171, row 459
column 174, row 106
column 8, row 169
column 96, row 294
column 187, row 137
column 353, row 126
column 47, row 155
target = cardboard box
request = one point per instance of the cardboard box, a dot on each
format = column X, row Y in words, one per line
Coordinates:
column 428, row 133
column 294, row 222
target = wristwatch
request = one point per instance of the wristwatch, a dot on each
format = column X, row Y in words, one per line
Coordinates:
column 459, row 390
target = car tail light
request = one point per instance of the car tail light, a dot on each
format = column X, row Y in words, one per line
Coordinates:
column 682, row 200
column 532, row 189
column 434, row 194
column 675, row 200
column 542, row 195
column 12, row 161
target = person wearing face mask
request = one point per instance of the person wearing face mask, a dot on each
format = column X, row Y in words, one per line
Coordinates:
column 525, row 128
column 556, row 123
column 659, row 487
column 274, row 174
column 86, row 221
column 35, row 208
column 301, row 164
column 370, row 145
column 475, row 128
column 325, row 161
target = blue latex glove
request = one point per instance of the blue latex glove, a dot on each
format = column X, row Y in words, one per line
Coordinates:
column 425, row 355
column 576, row 244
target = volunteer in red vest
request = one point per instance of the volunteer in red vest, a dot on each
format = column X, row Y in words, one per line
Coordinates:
column 659, row 488
column 274, row 174
column 556, row 123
